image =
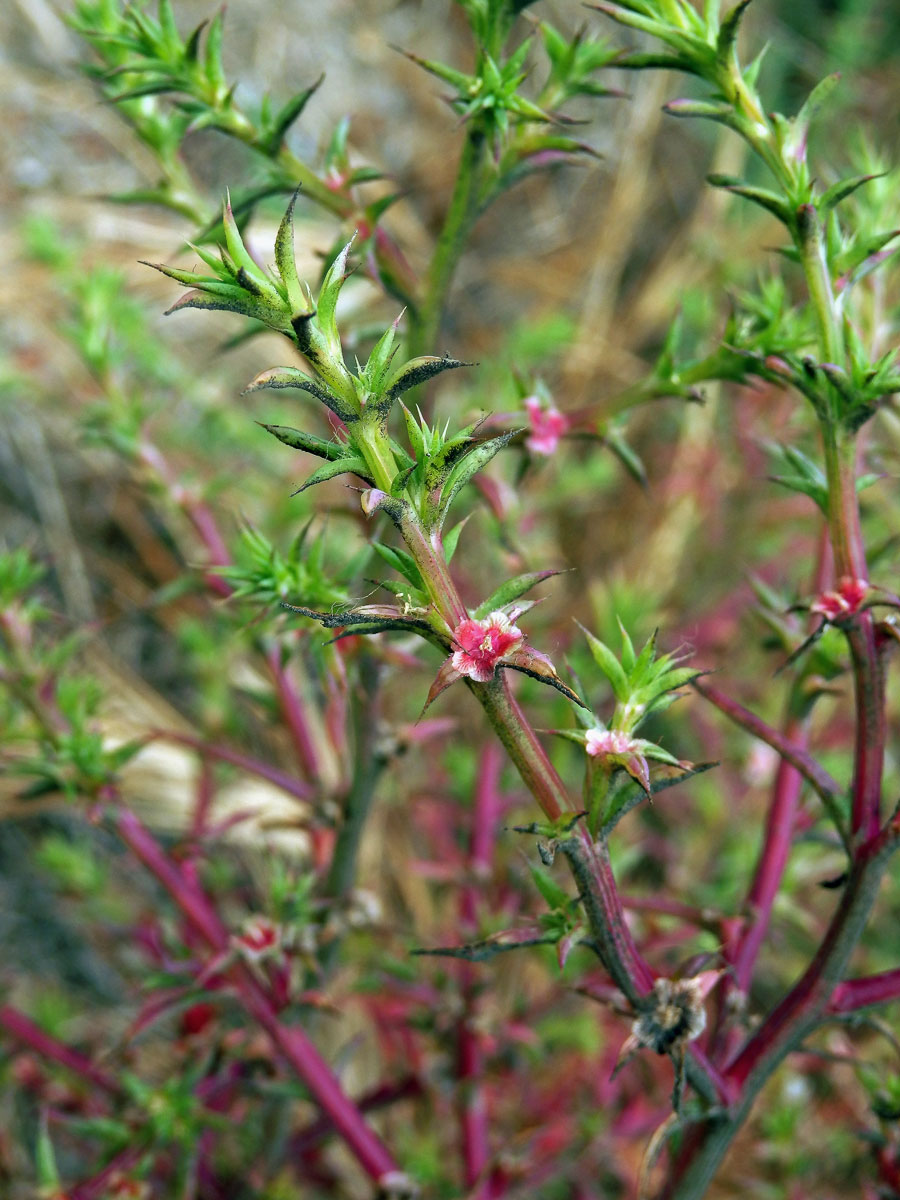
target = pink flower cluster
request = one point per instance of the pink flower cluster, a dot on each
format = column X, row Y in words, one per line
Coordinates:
column 259, row 937
column 608, row 741
column 547, row 423
column 845, row 602
column 482, row 644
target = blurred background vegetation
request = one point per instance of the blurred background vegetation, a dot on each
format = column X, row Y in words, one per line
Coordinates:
column 574, row 278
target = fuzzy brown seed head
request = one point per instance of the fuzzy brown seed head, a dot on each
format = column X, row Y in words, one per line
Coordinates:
column 675, row 1016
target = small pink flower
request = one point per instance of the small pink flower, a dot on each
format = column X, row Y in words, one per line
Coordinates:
column 548, row 425
column 258, row 937
column 624, row 751
column 608, row 741
column 482, row 644
column 845, row 602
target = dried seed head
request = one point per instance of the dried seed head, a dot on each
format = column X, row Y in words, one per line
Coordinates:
column 675, row 1015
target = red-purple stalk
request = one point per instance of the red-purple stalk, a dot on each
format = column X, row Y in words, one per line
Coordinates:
column 826, row 787
column 207, row 530
column 772, row 861
column 24, row 1031
column 854, row 994
column 374, row 1157
column 481, row 1182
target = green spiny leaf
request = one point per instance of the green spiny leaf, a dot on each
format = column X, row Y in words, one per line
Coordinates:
column 402, row 562
column 341, row 466
column 476, row 460
column 292, row 377
column 609, row 665
column 511, row 590
column 300, row 440
column 417, row 371
column 286, row 262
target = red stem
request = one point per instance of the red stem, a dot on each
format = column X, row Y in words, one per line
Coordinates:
column 24, row 1031
column 772, row 861
column 854, row 994
column 841, row 455
column 473, row 1111
column 288, row 783
column 871, row 728
column 207, row 530
column 814, row 774
column 301, row 1054
column 97, row 1187
column 799, row 1011
column 292, row 710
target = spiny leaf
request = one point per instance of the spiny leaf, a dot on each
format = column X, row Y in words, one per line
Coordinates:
column 288, row 114
column 712, row 111
column 299, row 439
column 511, row 590
column 292, row 377
column 402, row 562
column 417, row 371
column 475, row 461
column 553, row 893
column 631, row 797
column 843, row 188
column 815, row 102
column 768, row 200
column 286, row 262
column 498, row 943
column 328, row 297
column 340, row 466
column 609, row 665
column 728, row 31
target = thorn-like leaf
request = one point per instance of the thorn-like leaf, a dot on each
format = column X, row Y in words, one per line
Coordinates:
column 475, row 461
column 419, row 370
column 299, row 439
column 292, row 377
column 340, row 466
column 511, row 590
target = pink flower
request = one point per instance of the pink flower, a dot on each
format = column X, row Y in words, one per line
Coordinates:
column 482, row 644
column 548, row 425
column 258, row 937
column 845, row 602
column 620, row 750
column 609, row 741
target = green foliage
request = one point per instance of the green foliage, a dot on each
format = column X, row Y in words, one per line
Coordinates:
column 845, row 383
column 642, row 683
column 302, row 575
column 167, row 86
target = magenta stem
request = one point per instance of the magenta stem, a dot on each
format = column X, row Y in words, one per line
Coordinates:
column 841, row 454
column 796, row 756
column 854, row 994
column 294, row 714
column 803, row 1006
column 97, row 1187
column 26, row 1033
column 374, row 1157
column 770, row 867
column 871, row 728
column 474, row 1117
column 208, row 531
column 288, row 783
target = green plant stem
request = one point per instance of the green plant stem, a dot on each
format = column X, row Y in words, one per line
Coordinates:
column 868, row 672
column 839, row 446
column 810, row 242
column 461, row 215
column 605, row 911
